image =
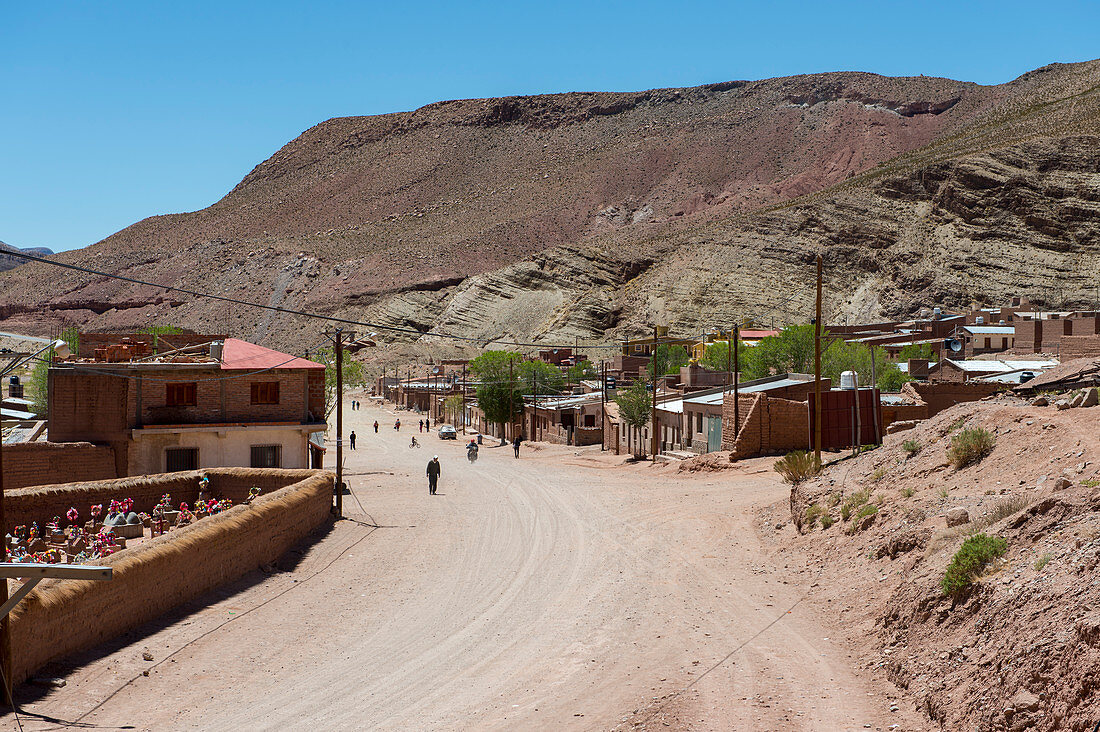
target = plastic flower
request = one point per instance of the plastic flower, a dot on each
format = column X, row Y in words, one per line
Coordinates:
column 115, row 507
column 96, row 510
column 127, row 504
column 72, row 515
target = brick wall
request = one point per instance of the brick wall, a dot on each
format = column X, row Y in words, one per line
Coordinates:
column 1029, row 336
column 62, row 617
column 941, row 395
column 42, row 463
column 773, row 426
column 1079, row 346
column 902, row 412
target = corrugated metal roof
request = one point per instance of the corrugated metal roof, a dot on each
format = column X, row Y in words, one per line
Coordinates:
column 238, row 355
column 1001, row 366
column 991, row 329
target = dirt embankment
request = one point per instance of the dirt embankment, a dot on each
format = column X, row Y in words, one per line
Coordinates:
column 1020, row 648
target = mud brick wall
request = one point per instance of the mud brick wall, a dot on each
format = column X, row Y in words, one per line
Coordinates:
column 62, row 617
column 1029, row 336
column 1079, row 346
column 773, row 426
column 941, row 395
column 43, row 463
column 902, row 412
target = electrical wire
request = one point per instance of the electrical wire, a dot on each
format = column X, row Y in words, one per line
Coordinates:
column 318, row 316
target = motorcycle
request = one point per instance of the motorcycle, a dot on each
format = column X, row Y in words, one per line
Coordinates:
column 471, row 453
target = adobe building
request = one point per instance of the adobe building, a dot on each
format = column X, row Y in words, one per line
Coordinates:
column 220, row 404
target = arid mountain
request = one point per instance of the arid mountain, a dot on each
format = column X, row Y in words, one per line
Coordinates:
column 9, row 262
column 585, row 214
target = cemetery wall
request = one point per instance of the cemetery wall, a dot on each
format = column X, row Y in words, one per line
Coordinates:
column 62, row 617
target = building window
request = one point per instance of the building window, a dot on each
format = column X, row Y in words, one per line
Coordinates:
column 180, row 394
column 266, row 456
column 181, row 458
column 265, row 392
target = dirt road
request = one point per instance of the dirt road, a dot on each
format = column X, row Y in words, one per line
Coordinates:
column 558, row 591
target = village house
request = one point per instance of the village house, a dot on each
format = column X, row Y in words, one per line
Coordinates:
column 219, row 404
column 963, row 370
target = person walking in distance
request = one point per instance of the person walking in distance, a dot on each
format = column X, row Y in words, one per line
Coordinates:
column 397, row 425
column 421, row 425
column 515, row 445
column 433, row 474
column 376, row 426
column 351, row 437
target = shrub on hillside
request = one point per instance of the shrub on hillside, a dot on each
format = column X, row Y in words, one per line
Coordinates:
column 797, row 466
column 970, row 446
column 911, row 447
column 973, row 556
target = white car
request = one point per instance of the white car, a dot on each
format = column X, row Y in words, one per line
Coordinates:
column 447, row 432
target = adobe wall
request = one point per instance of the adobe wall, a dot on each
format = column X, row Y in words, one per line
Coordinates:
column 62, row 617
column 43, row 463
column 940, row 395
column 772, row 426
column 1079, row 346
column 902, row 412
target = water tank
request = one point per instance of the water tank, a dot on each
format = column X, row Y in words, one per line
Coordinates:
column 849, row 379
column 14, row 380
column 936, row 313
column 980, row 320
column 216, row 350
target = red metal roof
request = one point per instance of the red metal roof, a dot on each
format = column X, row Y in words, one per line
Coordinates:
column 238, row 355
column 758, row 333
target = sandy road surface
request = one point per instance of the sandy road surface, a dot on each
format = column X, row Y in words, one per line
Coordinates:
column 558, row 591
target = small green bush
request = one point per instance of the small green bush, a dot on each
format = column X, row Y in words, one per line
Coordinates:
column 853, row 503
column 866, row 510
column 1043, row 561
column 970, row 446
column 1090, row 482
column 813, row 513
column 973, row 556
column 826, row 521
column 911, row 447
column 907, row 492
column 797, row 466
column 879, row 474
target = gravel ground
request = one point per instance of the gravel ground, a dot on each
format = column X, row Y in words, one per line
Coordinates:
column 563, row 590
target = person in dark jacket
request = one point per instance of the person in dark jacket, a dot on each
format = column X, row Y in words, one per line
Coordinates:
column 515, row 445
column 376, row 426
column 433, row 474
column 352, row 437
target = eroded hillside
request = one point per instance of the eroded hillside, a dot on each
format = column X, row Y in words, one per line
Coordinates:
column 598, row 213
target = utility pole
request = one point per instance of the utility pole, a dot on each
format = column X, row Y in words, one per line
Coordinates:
column 511, row 401
column 817, row 369
column 736, row 375
column 535, row 401
column 339, row 423
column 463, row 389
column 653, row 413
column 5, row 626
column 603, row 405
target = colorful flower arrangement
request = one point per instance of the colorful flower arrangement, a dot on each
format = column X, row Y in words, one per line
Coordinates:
column 96, row 510
column 72, row 514
column 127, row 504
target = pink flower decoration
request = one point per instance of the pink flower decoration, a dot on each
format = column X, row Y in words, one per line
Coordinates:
column 72, row 515
column 96, row 510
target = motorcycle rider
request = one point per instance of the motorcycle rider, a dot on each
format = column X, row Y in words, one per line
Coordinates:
column 471, row 451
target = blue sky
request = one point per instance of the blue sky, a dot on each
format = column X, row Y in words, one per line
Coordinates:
column 114, row 111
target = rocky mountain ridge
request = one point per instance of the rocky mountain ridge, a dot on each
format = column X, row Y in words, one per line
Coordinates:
column 595, row 215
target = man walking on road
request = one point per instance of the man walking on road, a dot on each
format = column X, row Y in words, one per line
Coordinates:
column 376, row 426
column 352, row 438
column 421, row 425
column 515, row 445
column 433, row 474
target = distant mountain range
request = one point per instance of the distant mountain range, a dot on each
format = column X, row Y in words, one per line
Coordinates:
column 9, row 262
column 596, row 215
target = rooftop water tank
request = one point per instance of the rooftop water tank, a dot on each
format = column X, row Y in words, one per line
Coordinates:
column 216, row 350
column 849, row 379
column 936, row 313
column 980, row 320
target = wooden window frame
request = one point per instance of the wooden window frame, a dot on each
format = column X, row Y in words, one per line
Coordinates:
column 265, row 392
column 181, row 394
column 278, row 455
column 193, row 450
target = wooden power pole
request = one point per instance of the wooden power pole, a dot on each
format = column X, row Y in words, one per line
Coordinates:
column 339, row 423
column 463, row 389
column 653, row 415
column 736, row 338
column 817, row 368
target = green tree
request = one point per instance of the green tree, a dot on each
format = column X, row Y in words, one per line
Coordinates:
column 71, row 336
column 583, row 370
column 839, row 357
column 635, row 410
column 160, row 330
column 717, row 356
column 917, row 350
column 500, row 393
column 353, row 373
column 539, row 376
column 452, row 406
column 39, row 387
column 670, row 358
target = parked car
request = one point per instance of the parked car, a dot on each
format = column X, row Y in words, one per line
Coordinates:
column 447, row 432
